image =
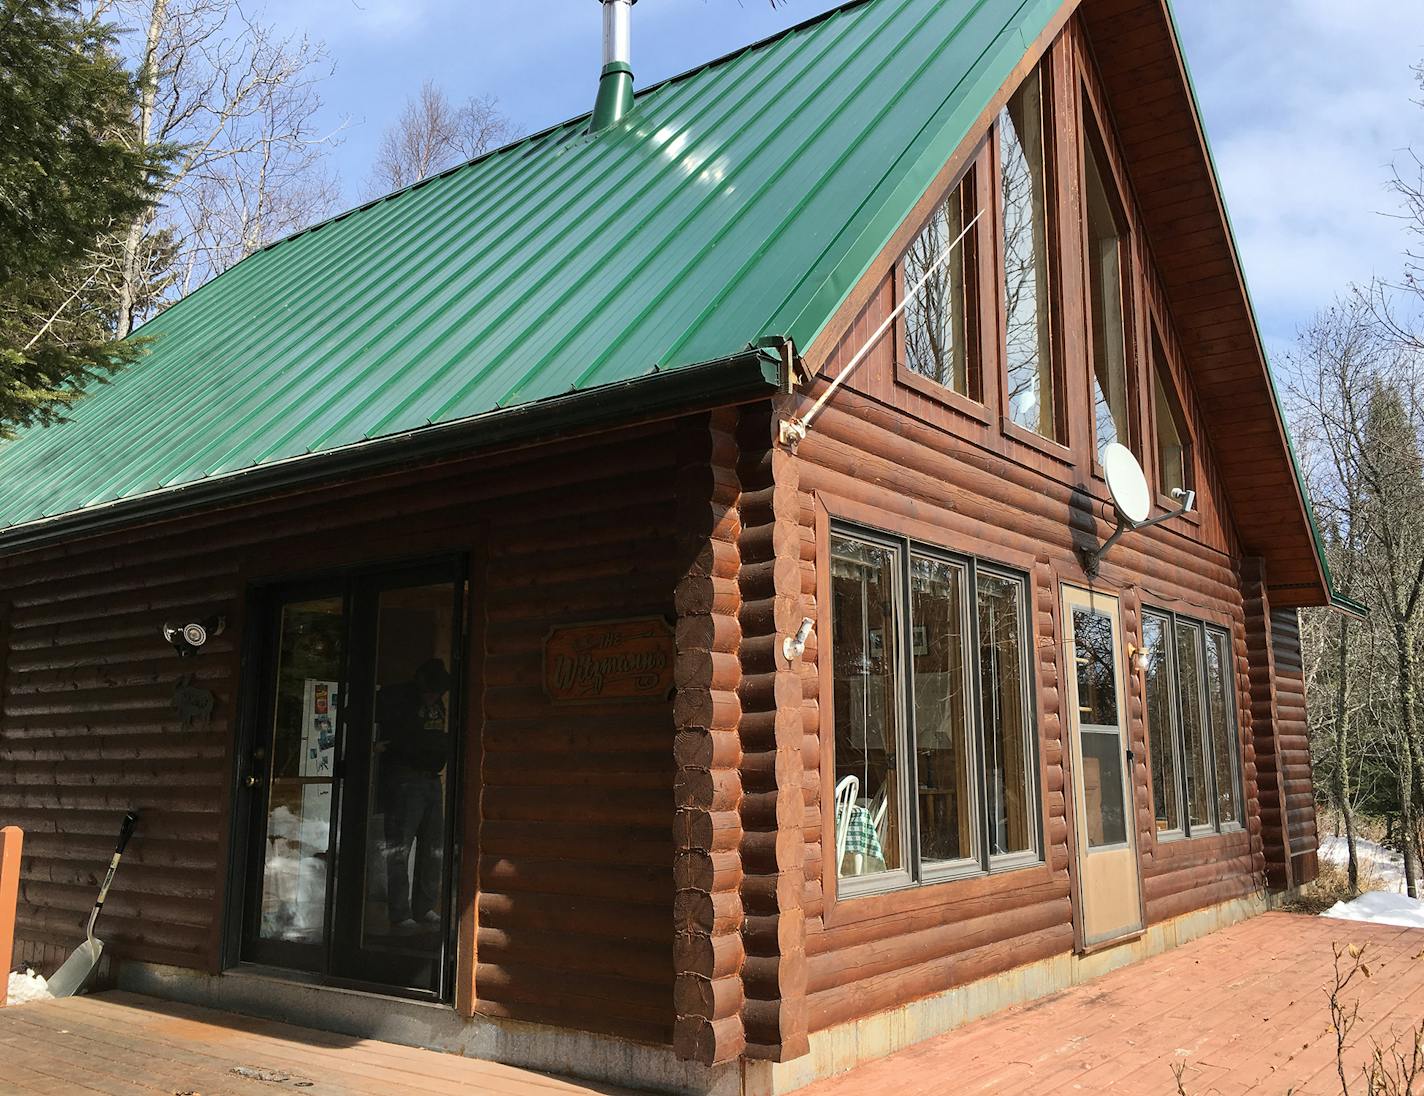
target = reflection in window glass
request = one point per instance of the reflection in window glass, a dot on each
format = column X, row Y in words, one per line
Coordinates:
column 1003, row 697
column 1024, row 188
column 1160, row 723
column 1100, row 734
column 1171, row 437
column 299, row 778
column 1223, row 729
column 946, row 804
column 405, row 903
column 1105, row 284
column 937, row 320
column 1189, row 684
column 863, row 639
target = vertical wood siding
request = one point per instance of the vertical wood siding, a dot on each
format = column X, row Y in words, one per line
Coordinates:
column 1293, row 736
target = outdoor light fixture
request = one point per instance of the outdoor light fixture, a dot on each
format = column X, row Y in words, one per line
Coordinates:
column 793, row 647
column 1138, row 657
column 188, row 638
column 1132, row 501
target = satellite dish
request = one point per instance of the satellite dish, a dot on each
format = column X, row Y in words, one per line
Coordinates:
column 1133, row 501
column 1126, row 483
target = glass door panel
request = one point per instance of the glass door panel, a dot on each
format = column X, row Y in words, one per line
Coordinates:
column 350, row 780
column 397, row 915
column 294, row 765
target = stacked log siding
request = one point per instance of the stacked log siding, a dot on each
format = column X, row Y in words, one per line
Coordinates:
column 575, row 868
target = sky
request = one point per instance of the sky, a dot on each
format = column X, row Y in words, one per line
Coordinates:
column 1307, row 103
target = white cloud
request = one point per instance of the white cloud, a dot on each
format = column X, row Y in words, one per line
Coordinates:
column 1306, row 105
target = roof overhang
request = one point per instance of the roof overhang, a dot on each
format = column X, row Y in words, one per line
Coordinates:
column 752, row 373
column 1139, row 55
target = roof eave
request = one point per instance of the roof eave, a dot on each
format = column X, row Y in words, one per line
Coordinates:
column 754, row 372
column 1327, row 595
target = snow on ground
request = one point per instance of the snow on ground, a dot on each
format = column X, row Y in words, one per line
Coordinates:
column 1381, row 908
column 1379, row 865
column 26, row 986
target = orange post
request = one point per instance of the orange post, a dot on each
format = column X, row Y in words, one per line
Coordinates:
column 11, row 839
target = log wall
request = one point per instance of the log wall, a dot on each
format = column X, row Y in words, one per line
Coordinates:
column 891, row 451
column 573, row 923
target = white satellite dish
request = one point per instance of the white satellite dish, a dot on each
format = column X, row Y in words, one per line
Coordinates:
column 1132, row 499
column 1126, row 483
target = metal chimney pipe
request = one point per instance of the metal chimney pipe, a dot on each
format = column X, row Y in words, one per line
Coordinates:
column 615, row 86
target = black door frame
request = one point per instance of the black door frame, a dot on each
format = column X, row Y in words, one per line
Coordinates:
column 358, row 586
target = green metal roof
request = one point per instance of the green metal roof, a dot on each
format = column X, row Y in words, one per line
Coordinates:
column 736, row 203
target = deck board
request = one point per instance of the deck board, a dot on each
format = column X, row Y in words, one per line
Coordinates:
column 124, row 1044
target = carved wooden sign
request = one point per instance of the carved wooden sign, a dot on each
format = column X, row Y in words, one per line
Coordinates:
column 610, row 660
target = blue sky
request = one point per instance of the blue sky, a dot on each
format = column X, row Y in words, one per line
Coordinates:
column 1306, row 102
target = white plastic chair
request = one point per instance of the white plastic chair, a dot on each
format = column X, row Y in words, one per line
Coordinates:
column 847, row 792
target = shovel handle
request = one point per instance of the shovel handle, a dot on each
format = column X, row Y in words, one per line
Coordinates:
column 125, row 832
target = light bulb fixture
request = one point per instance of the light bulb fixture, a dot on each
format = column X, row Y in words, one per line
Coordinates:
column 793, row 647
column 1137, row 656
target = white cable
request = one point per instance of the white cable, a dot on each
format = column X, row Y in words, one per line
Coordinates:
column 793, row 430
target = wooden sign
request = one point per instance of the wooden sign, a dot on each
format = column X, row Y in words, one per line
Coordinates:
column 612, row 660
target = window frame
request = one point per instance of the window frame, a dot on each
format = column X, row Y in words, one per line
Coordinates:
column 980, row 318
column 1093, row 145
column 1185, row 829
column 1060, row 445
column 916, row 871
column 1161, row 372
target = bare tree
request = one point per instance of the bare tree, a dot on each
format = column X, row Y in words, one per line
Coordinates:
column 239, row 103
column 432, row 133
column 1360, row 396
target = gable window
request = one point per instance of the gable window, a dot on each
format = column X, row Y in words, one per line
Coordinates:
column 1173, row 452
column 1105, row 243
column 1023, row 185
column 935, row 772
column 938, row 321
column 1191, row 723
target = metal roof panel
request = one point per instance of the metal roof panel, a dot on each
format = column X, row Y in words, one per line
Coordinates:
column 739, row 201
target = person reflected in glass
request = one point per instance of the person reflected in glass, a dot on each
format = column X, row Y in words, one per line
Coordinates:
column 414, row 746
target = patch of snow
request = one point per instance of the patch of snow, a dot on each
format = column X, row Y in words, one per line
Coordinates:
column 1381, row 908
column 26, row 986
column 1384, row 866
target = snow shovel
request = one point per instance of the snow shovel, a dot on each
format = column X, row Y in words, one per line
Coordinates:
column 69, row 978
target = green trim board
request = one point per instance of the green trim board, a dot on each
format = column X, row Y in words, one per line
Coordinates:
column 735, row 204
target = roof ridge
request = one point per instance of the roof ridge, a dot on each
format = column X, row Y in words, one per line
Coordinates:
column 547, row 131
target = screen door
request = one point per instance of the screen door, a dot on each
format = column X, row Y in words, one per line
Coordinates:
column 1109, row 884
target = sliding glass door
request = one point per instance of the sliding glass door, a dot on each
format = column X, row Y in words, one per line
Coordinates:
column 349, row 782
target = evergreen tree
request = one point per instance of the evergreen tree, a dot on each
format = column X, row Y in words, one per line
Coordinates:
column 68, row 179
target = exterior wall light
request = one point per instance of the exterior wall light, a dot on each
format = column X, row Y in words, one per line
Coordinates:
column 793, row 647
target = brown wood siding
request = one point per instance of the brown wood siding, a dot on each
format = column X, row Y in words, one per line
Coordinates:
column 575, row 905
column 1293, row 736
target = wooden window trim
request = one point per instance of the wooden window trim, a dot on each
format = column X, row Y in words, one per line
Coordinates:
column 1167, row 368
column 934, row 892
column 1059, row 448
column 1093, row 142
column 979, row 319
column 1186, row 832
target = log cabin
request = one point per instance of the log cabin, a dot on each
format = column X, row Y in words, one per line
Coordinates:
column 635, row 604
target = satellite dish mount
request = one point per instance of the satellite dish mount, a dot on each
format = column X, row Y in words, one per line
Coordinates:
column 1132, row 501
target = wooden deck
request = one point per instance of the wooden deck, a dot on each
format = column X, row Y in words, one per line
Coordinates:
column 1244, row 1010
column 122, row 1044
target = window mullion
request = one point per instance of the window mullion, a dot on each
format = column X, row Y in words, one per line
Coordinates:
column 908, row 775
column 1179, row 731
